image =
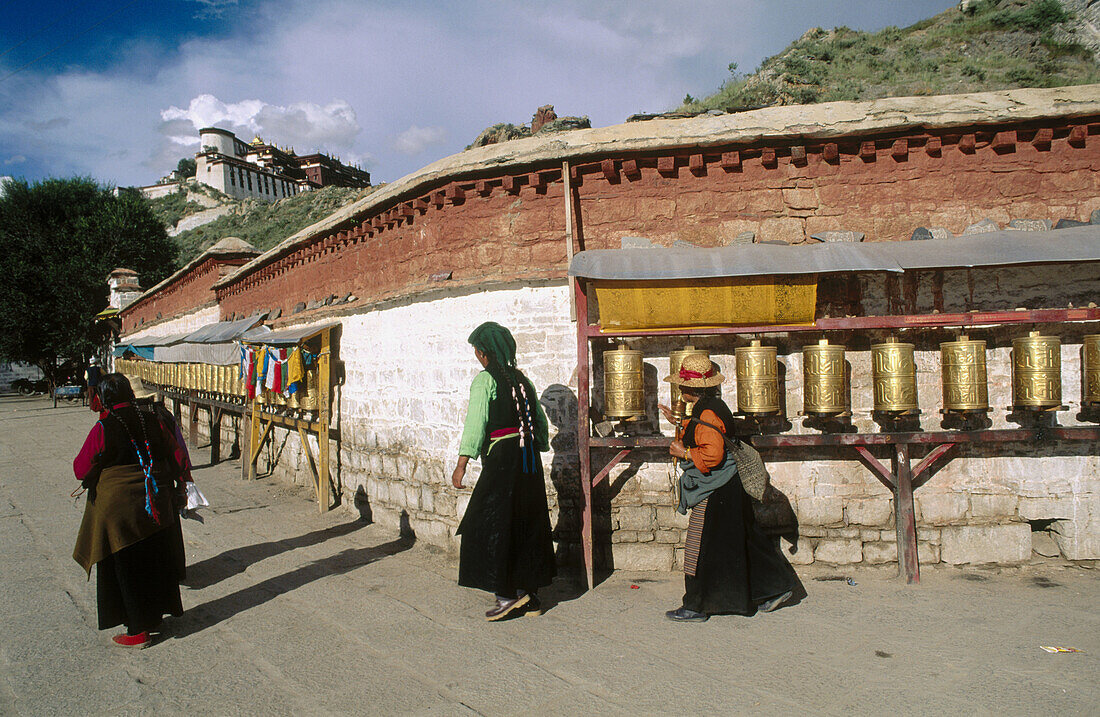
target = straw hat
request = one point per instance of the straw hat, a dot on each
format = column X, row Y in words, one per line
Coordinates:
column 697, row 371
column 139, row 388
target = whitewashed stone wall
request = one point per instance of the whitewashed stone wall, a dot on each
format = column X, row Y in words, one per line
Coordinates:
column 407, row 371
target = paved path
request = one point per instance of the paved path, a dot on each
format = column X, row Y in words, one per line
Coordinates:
column 292, row 612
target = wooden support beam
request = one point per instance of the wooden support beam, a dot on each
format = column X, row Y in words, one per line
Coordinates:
column 1004, row 142
column 968, row 143
column 252, row 438
column 697, row 165
column 867, row 151
column 900, row 150
column 905, row 516
column 666, row 166
column 919, row 477
column 215, row 436
column 830, row 152
column 610, row 173
column 933, row 147
column 567, row 181
column 631, row 170
column 324, row 412
column 881, row 472
column 798, row 156
column 309, row 456
column 606, row 470
column 768, row 158
column 1077, row 135
column 584, row 431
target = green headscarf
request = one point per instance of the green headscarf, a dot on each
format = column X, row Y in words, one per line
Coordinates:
column 496, row 342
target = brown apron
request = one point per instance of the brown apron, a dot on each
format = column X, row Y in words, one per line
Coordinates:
column 116, row 518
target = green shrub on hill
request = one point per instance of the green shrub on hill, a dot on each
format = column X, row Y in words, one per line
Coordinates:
column 998, row 44
column 265, row 224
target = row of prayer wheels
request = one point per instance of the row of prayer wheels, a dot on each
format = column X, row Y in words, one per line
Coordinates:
column 224, row 382
column 1036, row 377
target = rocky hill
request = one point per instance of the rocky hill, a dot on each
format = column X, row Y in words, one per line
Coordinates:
column 200, row 216
column 977, row 46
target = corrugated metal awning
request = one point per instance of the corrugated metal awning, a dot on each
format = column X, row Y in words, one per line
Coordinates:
column 224, row 331
column 288, row 337
column 1000, row 248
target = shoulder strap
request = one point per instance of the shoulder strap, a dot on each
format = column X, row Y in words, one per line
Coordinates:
column 732, row 442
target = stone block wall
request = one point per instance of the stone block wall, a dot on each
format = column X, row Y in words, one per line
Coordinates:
column 406, row 374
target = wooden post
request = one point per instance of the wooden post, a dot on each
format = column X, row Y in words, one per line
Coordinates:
column 176, row 413
column 583, row 430
column 568, row 181
column 215, row 435
column 193, row 433
column 324, row 397
column 904, row 516
column 248, row 458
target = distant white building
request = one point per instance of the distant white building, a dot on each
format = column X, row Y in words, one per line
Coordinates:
column 264, row 171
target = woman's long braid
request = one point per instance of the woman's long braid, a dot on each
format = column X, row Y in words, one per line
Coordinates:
column 510, row 379
column 144, row 460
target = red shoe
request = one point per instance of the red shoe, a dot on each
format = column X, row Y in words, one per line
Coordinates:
column 139, row 641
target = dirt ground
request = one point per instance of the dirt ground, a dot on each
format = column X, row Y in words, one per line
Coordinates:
column 289, row 611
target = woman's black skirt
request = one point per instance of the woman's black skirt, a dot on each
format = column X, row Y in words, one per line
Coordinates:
column 140, row 584
column 506, row 541
column 739, row 566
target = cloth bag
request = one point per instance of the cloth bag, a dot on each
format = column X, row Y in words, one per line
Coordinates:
column 750, row 466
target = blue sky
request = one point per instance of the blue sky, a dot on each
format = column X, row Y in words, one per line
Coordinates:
column 117, row 89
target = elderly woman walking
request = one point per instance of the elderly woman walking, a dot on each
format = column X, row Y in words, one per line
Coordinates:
column 506, row 543
column 130, row 528
column 730, row 566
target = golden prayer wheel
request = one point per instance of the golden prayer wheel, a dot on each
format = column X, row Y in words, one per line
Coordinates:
column 1090, row 370
column 894, row 376
column 675, row 360
column 292, row 399
column 1036, row 371
column 623, row 384
column 825, row 384
column 308, row 400
column 964, row 379
column 221, row 387
column 757, row 378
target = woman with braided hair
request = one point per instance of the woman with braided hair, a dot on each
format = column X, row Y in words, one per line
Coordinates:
column 130, row 528
column 506, row 543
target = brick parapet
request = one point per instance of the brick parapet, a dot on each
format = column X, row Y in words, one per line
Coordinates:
column 511, row 225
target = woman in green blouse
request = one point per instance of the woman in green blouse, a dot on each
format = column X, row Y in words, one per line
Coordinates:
column 506, row 544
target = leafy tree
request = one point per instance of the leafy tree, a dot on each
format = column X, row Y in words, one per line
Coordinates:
column 186, row 167
column 59, row 239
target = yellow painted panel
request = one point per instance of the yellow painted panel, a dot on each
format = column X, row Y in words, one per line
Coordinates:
column 728, row 301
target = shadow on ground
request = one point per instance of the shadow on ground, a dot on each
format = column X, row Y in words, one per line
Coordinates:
column 211, row 613
column 233, row 562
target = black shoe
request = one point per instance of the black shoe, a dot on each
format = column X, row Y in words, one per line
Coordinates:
column 775, row 602
column 682, row 614
column 534, row 607
column 504, row 607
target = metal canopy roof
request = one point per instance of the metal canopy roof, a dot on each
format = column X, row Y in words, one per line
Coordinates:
column 999, row 248
column 224, row 331
column 289, row 337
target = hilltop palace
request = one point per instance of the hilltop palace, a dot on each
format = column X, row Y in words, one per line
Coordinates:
column 258, row 169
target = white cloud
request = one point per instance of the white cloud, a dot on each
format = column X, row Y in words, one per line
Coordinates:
column 392, row 85
column 213, row 8
column 16, row 159
column 415, row 139
column 305, row 125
